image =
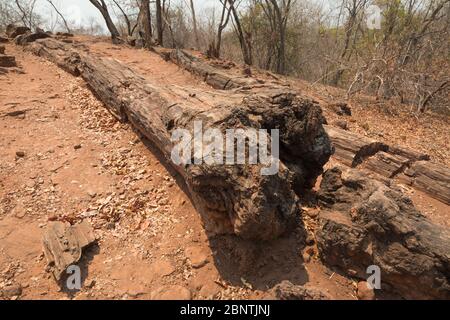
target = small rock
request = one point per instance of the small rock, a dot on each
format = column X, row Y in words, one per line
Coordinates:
column 364, row 292
column 92, row 194
column 312, row 213
column 342, row 108
column 341, row 124
column 7, row 61
column 288, row 291
column 197, row 256
column 306, row 257
column 14, row 290
column 209, row 290
column 310, row 240
column 171, row 293
column 77, row 146
column 20, row 154
column 163, row 268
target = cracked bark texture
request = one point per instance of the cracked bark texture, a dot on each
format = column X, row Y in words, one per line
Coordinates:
column 391, row 161
column 365, row 222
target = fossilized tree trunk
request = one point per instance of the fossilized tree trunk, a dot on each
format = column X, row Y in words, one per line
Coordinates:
column 233, row 198
column 390, row 161
column 365, row 223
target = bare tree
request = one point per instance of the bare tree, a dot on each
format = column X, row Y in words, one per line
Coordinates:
column 159, row 22
column 8, row 14
column 60, row 15
column 146, row 22
column 27, row 14
column 125, row 17
column 243, row 36
column 194, row 22
column 215, row 46
column 277, row 11
column 103, row 8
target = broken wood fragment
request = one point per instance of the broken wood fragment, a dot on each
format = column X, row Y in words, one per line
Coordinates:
column 13, row 31
column 63, row 244
column 429, row 177
column 211, row 75
column 386, row 164
column 365, row 223
column 352, row 149
column 389, row 161
column 7, row 61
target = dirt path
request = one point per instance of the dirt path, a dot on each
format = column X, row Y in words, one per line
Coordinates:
column 66, row 158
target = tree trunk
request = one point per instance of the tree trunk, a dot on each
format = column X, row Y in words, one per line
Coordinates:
column 102, row 7
column 194, row 21
column 125, row 16
column 147, row 23
column 159, row 22
column 232, row 198
column 246, row 49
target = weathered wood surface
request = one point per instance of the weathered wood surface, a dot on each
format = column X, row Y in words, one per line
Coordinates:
column 211, row 75
column 351, row 149
column 386, row 164
column 429, row 177
column 7, row 61
column 13, row 31
column 408, row 153
column 25, row 38
column 232, row 198
column 64, row 243
column 364, row 222
column 391, row 161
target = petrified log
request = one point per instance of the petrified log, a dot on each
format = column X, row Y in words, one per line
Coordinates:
column 352, row 149
column 59, row 54
column 211, row 75
column 391, row 161
column 386, row 164
column 7, row 61
column 429, row 177
column 13, row 31
column 64, row 243
column 364, row 223
column 288, row 291
column 408, row 153
column 25, row 38
column 341, row 109
column 64, row 34
column 235, row 198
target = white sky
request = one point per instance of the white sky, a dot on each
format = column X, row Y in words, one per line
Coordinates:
column 81, row 11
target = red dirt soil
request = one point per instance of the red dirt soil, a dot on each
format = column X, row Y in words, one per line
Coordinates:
column 80, row 163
